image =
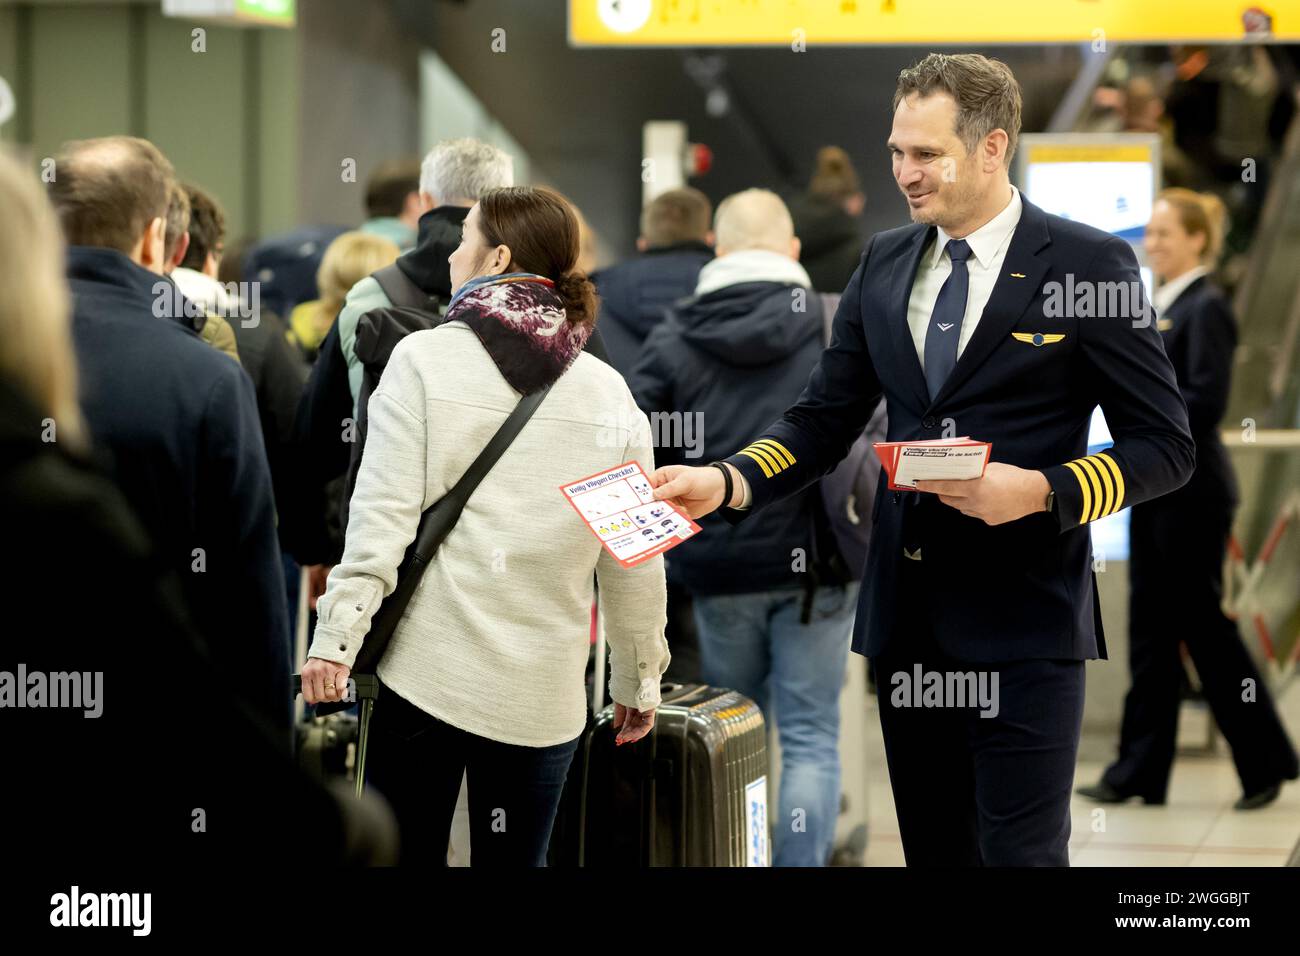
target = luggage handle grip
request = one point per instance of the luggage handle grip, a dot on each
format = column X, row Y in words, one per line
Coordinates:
column 362, row 687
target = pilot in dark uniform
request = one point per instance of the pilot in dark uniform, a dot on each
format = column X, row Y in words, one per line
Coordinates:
column 1012, row 328
column 1177, row 544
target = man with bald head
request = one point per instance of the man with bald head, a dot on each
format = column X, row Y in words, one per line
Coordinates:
column 175, row 420
column 773, row 600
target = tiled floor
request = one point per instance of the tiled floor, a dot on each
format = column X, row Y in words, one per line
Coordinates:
column 1196, row 827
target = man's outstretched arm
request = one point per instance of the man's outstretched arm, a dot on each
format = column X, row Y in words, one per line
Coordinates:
column 809, row 440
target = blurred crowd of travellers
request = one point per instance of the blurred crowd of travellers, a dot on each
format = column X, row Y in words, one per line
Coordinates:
column 182, row 422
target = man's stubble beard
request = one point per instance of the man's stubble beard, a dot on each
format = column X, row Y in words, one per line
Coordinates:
column 957, row 205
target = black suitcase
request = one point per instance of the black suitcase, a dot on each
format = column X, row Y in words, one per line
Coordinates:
column 327, row 746
column 693, row 792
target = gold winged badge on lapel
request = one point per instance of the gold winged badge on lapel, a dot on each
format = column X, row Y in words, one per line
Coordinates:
column 1038, row 339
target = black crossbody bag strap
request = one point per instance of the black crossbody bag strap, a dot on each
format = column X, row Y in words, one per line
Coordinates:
column 435, row 524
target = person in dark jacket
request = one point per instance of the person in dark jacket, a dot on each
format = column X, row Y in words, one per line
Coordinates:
column 328, row 403
column 170, row 798
column 284, row 266
column 675, row 242
column 277, row 371
column 772, row 623
column 97, row 769
column 828, row 221
column 178, row 420
column 1177, row 543
column 454, row 175
column 276, row 368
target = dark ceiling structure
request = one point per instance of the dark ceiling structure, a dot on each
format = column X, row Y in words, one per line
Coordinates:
column 579, row 112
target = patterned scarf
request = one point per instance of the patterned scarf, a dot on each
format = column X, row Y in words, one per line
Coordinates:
column 520, row 320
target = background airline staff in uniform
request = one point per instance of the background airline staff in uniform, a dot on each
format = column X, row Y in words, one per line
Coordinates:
column 1177, row 543
column 961, row 321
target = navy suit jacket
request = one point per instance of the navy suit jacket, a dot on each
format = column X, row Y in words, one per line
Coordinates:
column 1200, row 338
column 1038, row 363
column 178, row 423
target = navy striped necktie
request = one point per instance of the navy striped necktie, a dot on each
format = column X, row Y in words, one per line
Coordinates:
column 944, row 331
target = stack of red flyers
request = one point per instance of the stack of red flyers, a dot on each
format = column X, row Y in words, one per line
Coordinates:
column 906, row 462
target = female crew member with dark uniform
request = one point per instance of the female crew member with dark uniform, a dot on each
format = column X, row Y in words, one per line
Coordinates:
column 1178, row 543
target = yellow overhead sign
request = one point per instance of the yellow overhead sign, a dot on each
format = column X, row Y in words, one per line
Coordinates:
column 790, row 22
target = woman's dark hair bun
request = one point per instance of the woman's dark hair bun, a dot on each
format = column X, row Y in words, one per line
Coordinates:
column 579, row 295
column 544, row 236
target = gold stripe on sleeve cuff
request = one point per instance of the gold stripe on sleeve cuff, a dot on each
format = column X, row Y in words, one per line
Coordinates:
column 768, row 456
column 767, row 472
column 1085, row 488
column 1119, row 479
column 1100, row 484
column 780, row 449
column 1086, row 467
column 773, row 456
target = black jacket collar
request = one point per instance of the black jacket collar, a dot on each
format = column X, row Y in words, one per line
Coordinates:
column 426, row 265
column 1190, row 294
column 690, row 245
column 111, row 267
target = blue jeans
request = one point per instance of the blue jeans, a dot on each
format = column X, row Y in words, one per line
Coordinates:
column 755, row 644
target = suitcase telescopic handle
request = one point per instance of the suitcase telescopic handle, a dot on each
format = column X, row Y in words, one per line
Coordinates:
column 366, row 689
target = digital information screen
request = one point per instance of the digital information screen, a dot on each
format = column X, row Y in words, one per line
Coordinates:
column 1110, row 181
column 1107, row 184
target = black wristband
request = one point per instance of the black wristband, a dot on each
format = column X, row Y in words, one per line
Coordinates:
column 729, row 488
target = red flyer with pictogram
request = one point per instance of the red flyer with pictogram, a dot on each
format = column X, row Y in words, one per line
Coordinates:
column 619, row 507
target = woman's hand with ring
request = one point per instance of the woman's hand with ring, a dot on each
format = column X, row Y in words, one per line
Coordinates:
column 324, row 681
